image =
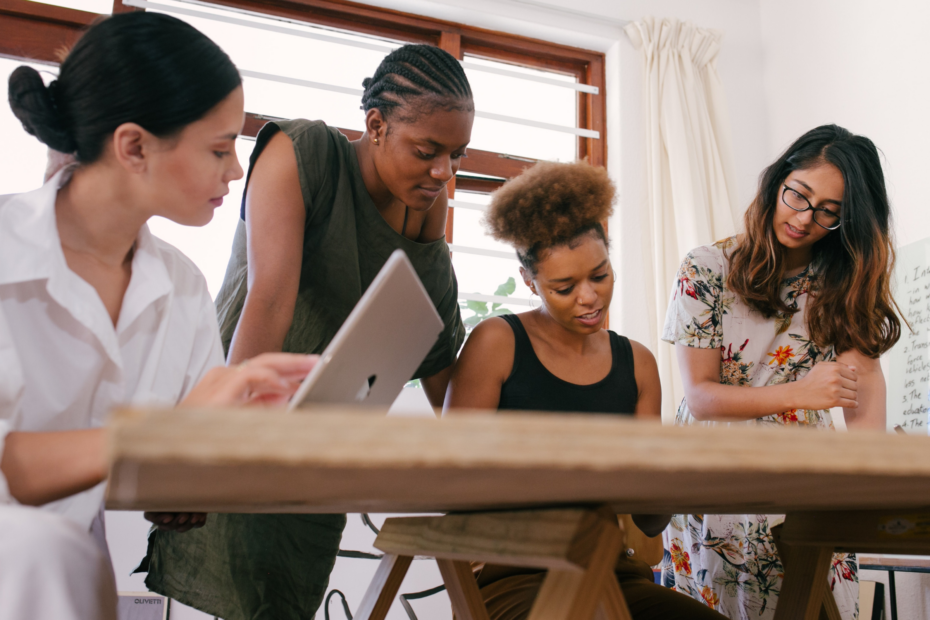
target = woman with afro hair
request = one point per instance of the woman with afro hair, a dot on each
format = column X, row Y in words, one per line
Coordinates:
column 559, row 357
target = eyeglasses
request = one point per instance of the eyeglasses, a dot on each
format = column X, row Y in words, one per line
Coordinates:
column 822, row 217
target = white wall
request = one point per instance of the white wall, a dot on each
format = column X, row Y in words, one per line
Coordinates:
column 862, row 65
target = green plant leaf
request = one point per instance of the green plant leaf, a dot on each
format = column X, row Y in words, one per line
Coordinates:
column 473, row 320
column 507, row 288
column 478, row 307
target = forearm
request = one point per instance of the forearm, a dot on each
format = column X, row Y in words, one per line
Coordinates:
column 262, row 328
column 436, row 386
column 730, row 403
column 43, row 467
column 651, row 525
column 871, row 412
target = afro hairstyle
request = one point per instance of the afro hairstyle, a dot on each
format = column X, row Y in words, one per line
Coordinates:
column 549, row 205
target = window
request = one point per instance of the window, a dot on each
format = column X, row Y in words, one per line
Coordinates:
column 22, row 157
column 534, row 101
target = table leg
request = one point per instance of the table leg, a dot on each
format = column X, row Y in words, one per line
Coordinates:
column 803, row 587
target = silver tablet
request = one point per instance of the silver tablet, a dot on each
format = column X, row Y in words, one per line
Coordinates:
column 376, row 351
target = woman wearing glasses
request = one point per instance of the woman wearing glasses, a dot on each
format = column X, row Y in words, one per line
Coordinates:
column 776, row 326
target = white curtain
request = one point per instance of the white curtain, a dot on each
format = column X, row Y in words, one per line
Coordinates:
column 691, row 191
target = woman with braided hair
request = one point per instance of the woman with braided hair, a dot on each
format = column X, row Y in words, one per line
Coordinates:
column 320, row 217
column 560, row 358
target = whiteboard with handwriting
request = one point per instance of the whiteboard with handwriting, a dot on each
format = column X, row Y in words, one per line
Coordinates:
column 908, row 378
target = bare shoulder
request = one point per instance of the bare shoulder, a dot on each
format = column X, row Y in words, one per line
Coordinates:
column 274, row 182
column 492, row 335
column 278, row 151
column 642, row 356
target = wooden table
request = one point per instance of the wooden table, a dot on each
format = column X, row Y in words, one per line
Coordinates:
column 853, row 491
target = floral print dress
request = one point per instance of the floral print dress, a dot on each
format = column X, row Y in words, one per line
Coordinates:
column 730, row 561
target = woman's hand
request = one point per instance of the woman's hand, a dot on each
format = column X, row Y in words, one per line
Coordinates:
column 268, row 379
column 828, row 385
column 176, row 521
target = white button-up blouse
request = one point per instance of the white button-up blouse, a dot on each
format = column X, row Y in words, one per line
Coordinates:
column 63, row 365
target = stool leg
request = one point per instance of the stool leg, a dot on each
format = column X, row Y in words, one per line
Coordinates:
column 829, row 609
column 803, row 588
column 613, row 605
column 383, row 588
column 576, row 595
column 462, row 587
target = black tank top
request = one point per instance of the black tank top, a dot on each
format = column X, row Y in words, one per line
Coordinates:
column 531, row 386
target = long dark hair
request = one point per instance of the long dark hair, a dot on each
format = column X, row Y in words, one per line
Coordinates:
column 850, row 306
column 144, row 68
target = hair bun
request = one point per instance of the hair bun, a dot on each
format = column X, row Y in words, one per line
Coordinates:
column 549, row 203
column 35, row 107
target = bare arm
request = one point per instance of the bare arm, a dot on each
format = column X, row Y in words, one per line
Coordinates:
column 44, row 467
column 649, row 401
column 871, row 412
column 483, row 366
column 436, row 386
column 648, row 407
column 828, row 384
column 275, row 218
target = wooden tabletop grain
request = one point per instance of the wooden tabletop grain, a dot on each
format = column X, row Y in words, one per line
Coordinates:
column 332, row 460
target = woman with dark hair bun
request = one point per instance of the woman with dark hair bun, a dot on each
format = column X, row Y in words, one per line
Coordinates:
column 775, row 327
column 560, row 358
column 95, row 312
column 320, row 217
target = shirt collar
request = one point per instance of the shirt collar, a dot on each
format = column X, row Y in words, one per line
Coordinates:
column 150, row 279
column 30, row 249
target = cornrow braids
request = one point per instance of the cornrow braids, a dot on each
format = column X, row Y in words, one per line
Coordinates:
column 412, row 72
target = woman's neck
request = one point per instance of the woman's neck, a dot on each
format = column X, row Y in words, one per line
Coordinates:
column 96, row 217
column 796, row 260
column 380, row 194
column 560, row 337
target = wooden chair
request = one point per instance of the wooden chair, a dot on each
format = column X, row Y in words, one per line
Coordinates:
column 577, row 546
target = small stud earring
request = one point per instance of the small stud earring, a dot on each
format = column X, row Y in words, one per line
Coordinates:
column 376, row 141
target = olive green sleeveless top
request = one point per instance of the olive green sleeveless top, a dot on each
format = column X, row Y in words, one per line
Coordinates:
column 346, row 242
column 276, row 567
